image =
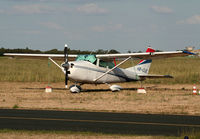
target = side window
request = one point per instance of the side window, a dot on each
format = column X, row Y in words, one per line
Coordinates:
column 106, row 64
column 102, row 64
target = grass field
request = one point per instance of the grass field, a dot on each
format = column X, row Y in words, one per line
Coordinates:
column 184, row 69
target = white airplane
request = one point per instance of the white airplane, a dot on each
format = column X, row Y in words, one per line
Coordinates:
column 99, row 69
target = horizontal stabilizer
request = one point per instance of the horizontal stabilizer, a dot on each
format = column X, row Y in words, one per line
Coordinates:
column 155, row 76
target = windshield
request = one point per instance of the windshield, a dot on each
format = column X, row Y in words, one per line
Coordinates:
column 91, row 58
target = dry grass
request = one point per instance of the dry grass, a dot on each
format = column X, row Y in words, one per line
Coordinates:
column 178, row 100
column 184, row 69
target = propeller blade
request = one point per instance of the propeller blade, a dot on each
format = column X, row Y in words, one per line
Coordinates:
column 66, row 80
column 66, row 65
column 65, row 53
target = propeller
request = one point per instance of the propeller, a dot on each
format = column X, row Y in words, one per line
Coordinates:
column 66, row 65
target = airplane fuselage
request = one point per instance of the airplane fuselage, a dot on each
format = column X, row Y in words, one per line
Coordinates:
column 86, row 72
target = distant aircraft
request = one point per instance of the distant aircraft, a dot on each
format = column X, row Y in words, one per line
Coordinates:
column 102, row 68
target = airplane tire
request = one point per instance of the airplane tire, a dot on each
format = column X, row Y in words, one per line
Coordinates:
column 75, row 89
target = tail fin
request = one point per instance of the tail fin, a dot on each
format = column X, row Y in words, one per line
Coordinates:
column 142, row 68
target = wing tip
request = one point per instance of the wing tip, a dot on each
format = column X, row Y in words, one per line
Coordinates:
column 189, row 53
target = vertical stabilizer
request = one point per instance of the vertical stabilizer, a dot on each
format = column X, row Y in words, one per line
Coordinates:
column 142, row 68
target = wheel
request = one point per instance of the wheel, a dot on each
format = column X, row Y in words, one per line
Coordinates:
column 115, row 88
column 75, row 89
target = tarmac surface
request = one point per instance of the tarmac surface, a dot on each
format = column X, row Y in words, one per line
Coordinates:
column 98, row 122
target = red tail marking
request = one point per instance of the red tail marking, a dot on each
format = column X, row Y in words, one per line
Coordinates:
column 149, row 49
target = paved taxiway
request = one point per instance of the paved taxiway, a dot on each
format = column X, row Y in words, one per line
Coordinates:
column 103, row 122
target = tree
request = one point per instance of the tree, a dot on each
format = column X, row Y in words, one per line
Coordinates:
column 112, row 51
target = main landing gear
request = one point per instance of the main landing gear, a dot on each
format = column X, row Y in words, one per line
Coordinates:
column 75, row 88
column 114, row 88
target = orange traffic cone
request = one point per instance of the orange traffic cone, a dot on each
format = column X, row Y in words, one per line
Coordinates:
column 194, row 90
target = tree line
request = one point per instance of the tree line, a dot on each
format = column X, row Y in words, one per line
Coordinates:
column 55, row 51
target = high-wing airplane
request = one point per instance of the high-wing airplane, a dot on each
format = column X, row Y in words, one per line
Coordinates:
column 102, row 68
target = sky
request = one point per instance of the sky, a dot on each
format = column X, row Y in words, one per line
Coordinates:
column 123, row 25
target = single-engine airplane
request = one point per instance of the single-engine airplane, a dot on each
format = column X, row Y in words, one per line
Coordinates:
column 100, row 68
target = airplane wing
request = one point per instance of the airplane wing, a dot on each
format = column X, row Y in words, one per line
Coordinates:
column 38, row 55
column 147, row 55
column 55, row 56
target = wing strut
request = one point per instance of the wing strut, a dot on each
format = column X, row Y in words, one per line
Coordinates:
column 111, row 69
column 55, row 63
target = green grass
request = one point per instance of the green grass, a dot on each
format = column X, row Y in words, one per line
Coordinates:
column 29, row 70
column 191, row 135
column 47, row 131
column 184, row 70
column 15, row 106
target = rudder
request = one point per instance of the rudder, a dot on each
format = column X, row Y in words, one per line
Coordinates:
column 142, row 68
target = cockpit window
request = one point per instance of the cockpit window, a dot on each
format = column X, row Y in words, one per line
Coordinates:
column 91, row 58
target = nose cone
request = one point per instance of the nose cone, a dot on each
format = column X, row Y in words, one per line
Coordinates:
column 66, row 66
